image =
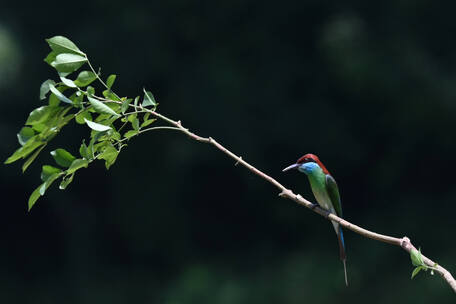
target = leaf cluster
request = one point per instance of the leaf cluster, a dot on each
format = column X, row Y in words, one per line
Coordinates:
column 111, row 120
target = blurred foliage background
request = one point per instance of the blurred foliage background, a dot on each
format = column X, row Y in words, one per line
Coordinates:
column 369, row 86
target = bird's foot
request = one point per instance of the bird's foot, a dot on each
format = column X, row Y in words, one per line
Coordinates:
column 314, row 205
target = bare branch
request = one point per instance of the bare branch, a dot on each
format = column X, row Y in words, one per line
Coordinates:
column 403, row 242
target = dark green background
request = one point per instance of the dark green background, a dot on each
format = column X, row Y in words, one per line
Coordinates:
column 369, row 86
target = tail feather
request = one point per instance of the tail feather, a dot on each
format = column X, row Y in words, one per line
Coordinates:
column 345, row 272
column 343, row 256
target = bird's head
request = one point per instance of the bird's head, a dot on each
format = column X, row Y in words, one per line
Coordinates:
column 307, row 164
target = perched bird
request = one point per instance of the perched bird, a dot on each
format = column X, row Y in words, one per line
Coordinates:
column 326, row 193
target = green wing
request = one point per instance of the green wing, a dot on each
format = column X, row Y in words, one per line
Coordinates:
column 333, row 192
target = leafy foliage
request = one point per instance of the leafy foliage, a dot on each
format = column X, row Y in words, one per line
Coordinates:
column 107, row 117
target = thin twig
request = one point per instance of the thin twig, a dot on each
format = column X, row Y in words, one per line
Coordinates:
column 403, row 242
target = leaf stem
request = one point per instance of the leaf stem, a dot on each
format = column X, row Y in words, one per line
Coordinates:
column 99, row 78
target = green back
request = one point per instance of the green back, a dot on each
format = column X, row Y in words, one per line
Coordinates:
column 333, row 192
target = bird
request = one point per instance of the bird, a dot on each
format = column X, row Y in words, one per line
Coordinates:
column 326, row 192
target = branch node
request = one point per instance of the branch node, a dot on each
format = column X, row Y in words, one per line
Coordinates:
column 286, row 193
column 237, row 163
column 406, row 243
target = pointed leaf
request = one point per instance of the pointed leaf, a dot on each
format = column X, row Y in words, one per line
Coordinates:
column 48, row 182
column 90, row 90
column 149, row 99
column 130, row 133
column 135, row 123
column 80, row 117
column 66, row 181
column 25, row 134
column 147, row 122
column 416, row 271
column 84, row 152
column 25, row 150
column 50, row 58
column 59, row 95
column 29, row 161
column 125, row 105
column 101, row 107
column 39, row 115
column 110, row 80
column 34, row 197
column 96, row 126
column 62, row 157
column 68, row 82
column 416, row 258
column 60, row 44
column 108, row 94
column 44, row 88
column 68, row 63
column 109, row 155
column 85, row 78
column 76, row 165
column 47, row 171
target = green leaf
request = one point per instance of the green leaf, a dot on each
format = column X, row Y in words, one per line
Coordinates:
column 47, row 171
column 60, row 44
column 59, row 95
column 416, row 257
column 34, row 197
column 96, row 126
column 44, row 88
column 416, row 271
column 84, row 152
column 68, row 82
column 25, row 150
column 135, row 123
column 66, row 181
column 50, row 58
column 109, row 155
column 39, row 115
column 62, row 157
column 132, row 117
column 83, row 115
column 147, row 122
column 136, row 101
column 76, row 165
column 90, row 90
column 25, row 134
column 149, row 99
column 116, row 135
column 85, row 78
column 110, row 80
column 125, row 104
column 53, row 100
column 108, row 94
column 77, row 99
column 68, row 63
column 130, row 133
column 29, row 161
column 48, row 182
column 101, row 107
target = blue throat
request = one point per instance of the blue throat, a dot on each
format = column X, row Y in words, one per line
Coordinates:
column 308, row 168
